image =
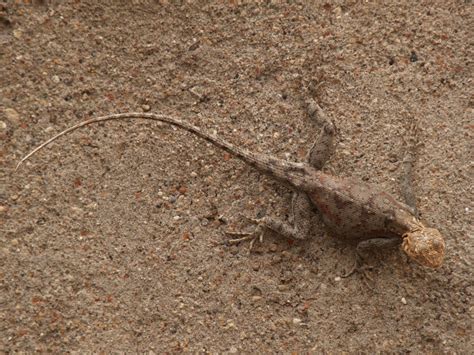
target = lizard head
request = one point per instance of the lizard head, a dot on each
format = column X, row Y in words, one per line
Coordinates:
column 425, row 246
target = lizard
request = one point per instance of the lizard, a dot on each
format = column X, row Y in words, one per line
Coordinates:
column 351, row 209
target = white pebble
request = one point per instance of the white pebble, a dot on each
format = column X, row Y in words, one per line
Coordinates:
column 296, row 321
column 404, row 301
column 12, row 116
column 337, row 278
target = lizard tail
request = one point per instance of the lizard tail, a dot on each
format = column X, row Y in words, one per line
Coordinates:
column 289, row 172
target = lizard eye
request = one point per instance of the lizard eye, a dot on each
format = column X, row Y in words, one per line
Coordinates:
column 425, row 246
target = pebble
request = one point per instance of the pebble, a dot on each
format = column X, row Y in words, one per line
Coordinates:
column 12, row 116
column 276, row 259
column 146, row 108
column 49, row 129
column 273, row 247
column 296, row 321
column 17, row 34
column 404, row 301
column 3, row 209
column 233, row 350
column 3, row 126
column 194, row 174
column 55, row 79
column 337, row 278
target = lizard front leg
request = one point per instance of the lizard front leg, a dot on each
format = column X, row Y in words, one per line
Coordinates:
column 408, row 165
column 368, row 244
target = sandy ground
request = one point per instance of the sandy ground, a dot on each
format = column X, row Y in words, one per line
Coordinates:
column 109, row 238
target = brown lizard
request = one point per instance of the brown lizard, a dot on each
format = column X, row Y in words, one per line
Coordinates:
column 350, row 208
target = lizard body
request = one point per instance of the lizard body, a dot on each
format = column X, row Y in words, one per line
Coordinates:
column 350, row 208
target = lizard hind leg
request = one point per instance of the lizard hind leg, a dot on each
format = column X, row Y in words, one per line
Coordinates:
column 300, row 229
column 302, row 209
column 324, row 146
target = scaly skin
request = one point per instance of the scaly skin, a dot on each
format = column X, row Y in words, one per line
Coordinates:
column 360, row 211
column 350, row 208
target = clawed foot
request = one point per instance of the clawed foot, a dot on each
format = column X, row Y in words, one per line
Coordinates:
column 253, row 236
column 360, row 267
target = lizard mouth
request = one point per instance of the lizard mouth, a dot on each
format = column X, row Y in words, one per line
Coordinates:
column 425, row 245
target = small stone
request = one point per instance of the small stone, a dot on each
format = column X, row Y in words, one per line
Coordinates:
column 49, row 129
column 194, row 174
column 55, row 79
column 3, row 126
column 146, row 108
column 296, row 321
column 3, row 209
column 12, row 116
column 230, row 324
column 233, row 350
column 276, row 259
column 273, row 247
column 404, row 301
column 14, row 242
column 17, row 34
column 337, row 278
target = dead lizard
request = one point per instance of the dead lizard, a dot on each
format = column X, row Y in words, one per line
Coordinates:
column 350, row 208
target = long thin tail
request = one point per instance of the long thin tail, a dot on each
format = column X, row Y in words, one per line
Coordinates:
column 292, row 173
